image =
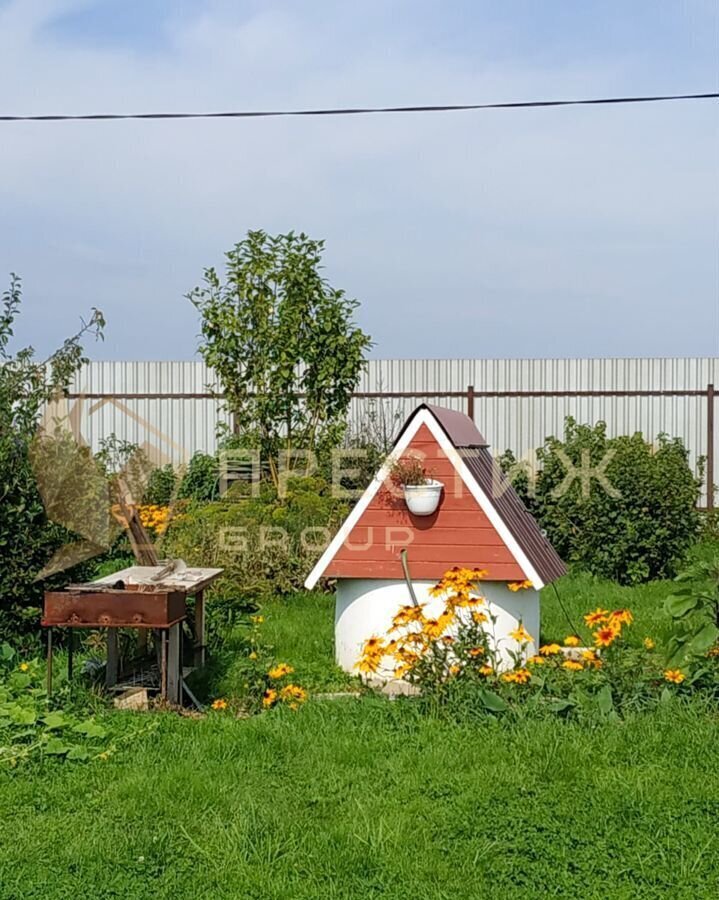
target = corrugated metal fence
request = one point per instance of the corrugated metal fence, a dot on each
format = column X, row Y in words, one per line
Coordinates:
column 168, row 408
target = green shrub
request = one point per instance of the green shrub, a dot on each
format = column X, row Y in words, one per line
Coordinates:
column 161, row 486
column 631, row 516
column 257, row 540
column 201, row 481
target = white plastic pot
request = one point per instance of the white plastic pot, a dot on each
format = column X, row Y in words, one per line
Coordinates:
column 423, row 499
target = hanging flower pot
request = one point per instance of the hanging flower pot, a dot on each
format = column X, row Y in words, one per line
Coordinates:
column 421, row 493
column 423, row 499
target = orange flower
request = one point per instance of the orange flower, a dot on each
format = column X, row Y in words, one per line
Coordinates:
column 479, row 617
column 486, row 671
column 475, row 652
column 550, row 649
column 464, row 600
column 675, row 676
column 219, row 704
column 519, row 676
column 406, row 615
column 280, row 670
column 572, row 641
column 572, row 665
column 269, row 697
column 519, row 585
column 597, row 617
column 521, row 635
column 591, row 658
column 434, row 628
column 606, row 635
column 536, row 660
column 293, row 694
column 621, row 617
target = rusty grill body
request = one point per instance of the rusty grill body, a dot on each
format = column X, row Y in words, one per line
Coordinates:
column 114, row 609
column 149, row 599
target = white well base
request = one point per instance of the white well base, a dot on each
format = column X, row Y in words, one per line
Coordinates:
column 366, row 606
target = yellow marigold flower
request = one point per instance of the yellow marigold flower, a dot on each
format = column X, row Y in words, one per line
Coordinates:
column 597, row 617
column 536, row 660
column 24, row 667
column 293, row 693
column 649, row 643
column 572, row 641
column 279, row 671
column 550, row 649
column 219, row 704
column 269, row 697
column 474, row 652
column 479, row 617
column 519, row 585
column 572, row 665
column 521, row 635
column 675, row 676
column 606, row 635
column 257, row 620
column 486, row 670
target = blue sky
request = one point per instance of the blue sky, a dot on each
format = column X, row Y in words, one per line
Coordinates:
column 573, row 232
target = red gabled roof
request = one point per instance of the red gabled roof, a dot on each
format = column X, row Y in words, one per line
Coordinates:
column 481, row 522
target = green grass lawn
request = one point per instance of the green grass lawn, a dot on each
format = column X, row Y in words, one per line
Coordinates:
column 358, row 798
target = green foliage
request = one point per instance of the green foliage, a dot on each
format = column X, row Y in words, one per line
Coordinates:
column 275, row 330
column 30, row 728
column 161, row 485
column 619, row 507
column 27, row 538
column 366, row 798
column 261, row 542
column 297, row 628
column 694, row 609
column 201, row 480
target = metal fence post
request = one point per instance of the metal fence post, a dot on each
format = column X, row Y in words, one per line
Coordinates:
column 710, row 446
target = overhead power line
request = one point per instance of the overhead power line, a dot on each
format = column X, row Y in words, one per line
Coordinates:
column 356, row 111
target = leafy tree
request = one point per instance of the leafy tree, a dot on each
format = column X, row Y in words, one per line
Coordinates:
column 27, row 538
column 283, row 342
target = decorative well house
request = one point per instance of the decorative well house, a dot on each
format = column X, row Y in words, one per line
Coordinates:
column 479, row 522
